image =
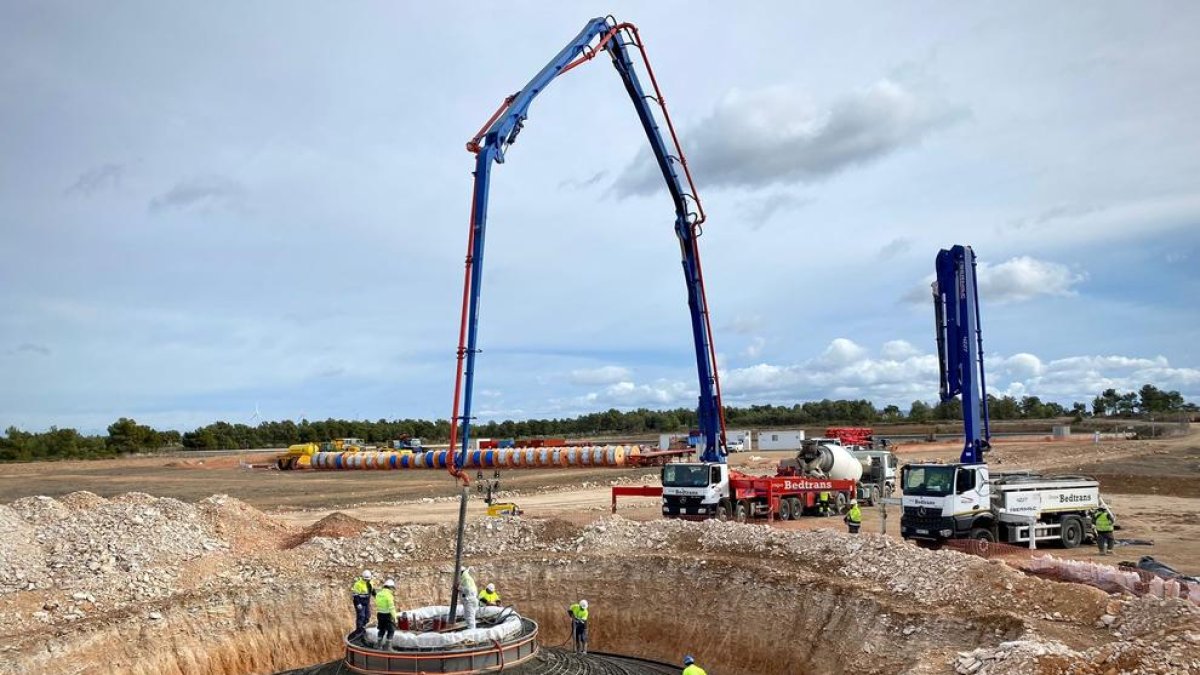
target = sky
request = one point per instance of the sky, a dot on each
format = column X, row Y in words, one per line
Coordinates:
column 212, row 209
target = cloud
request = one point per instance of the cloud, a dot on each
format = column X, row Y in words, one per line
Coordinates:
column 601, row 375
column 744, row 325
column 662, row 394
column 759, row 210
column 1015, row 280
column 31, row 348
column 898, row 350
column 202, row 192
column 901, row 374
column 893, row 248
column 1057, row 212
column 755, row 348
column 778, row 136
column 573, row 184
column 103, row 177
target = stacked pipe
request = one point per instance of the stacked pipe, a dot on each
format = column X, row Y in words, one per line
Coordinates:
column 500, row 458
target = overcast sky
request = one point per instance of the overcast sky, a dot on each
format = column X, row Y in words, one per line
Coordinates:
column 210, row 207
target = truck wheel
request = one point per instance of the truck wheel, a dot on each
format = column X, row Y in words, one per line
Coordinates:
column 785, row 509
column 279, row 464
column 887, row 490
column 874, row 498
column 840, row 503
column 741, row 513
column 1071, row 532
column 723, row 510
column 982, row 533
column 797, row 507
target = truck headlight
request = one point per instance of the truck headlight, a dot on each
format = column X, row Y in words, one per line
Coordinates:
column 946, row 533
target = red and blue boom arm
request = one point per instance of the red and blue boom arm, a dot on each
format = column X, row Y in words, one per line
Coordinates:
column 489, row 147
column 960, row 346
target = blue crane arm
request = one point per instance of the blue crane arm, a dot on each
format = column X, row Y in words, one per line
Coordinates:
column 960, row 346
column 490, row 146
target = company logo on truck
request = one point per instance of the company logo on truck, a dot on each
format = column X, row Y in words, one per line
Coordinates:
column 807, row 485
column 1074, row 498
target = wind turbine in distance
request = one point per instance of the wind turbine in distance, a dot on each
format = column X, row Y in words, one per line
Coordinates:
column 256, row 418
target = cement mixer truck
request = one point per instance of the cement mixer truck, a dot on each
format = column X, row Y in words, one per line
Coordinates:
column 714, row 490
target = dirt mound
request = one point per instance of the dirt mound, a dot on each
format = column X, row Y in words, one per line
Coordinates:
column 336, row 525
column 242, row 525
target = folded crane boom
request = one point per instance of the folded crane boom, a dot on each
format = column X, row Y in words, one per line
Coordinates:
column 960, row 346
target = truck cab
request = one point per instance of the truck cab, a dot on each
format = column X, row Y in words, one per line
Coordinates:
column 880, row 469
column 694, row 489
column 946, row 501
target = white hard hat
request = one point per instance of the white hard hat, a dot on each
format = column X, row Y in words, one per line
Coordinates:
column 583, row 604
column 853, row 502
column 491, row 588
column 390, row 583
column 366, row 574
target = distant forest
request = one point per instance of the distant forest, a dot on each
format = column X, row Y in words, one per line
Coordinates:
column 127, row 436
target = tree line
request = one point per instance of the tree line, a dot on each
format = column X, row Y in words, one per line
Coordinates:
column 126, row 435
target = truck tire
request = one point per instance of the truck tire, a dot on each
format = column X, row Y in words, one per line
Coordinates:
column 873, row 498
column 724, row 512
column 840, row 503
column 1071, row 532
column 983, row 533
column 887, row 490
column 785, row 509
column 797, row 507
column 280, row 465
column 741, row 512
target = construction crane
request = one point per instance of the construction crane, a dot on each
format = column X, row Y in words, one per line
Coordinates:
column 963, row 500
column 621, row 41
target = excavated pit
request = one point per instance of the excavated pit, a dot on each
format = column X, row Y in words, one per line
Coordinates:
column 742, row 599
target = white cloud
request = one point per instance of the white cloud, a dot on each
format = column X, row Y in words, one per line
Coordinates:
column 898, row 350
column 1014, row 280
column 600, row 375
column 778, row 135
column 661, row 394
column 754, row 349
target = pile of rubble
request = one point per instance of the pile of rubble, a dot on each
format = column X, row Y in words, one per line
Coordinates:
column 126, row 548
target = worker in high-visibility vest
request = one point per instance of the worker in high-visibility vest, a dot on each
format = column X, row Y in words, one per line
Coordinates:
column 579, row 625
column 385, row 614
column 1105, row 524
column 690, row 667
column 853, row 517
column 361, row 593
column 488, row 597
column 823, row 503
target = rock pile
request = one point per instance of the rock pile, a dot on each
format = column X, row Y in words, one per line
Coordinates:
column 128, row 547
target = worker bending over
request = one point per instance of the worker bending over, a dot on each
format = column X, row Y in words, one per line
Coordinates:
column 469, row 595
column 488, row 597
column 690, row 667
column 853, row 517
column 579, row 624
column 823, row 503
column 361, row 593
column 385, row 613
column 1105, row 524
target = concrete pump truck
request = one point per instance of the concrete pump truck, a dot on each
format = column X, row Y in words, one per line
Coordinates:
column 963, row 500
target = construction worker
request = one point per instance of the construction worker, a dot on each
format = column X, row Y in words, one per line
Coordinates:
column 488, row 597
column 579, row 623
column 361, row 593
column 823, row 503
column 385, row 613
column 690, row 667
column 469, row 595
column 1104, row 522
column 853, row 517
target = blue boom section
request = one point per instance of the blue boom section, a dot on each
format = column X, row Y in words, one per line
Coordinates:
column 960, row 346
column 490, row 147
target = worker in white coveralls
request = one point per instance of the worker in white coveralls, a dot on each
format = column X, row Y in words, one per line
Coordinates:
column 469, row 595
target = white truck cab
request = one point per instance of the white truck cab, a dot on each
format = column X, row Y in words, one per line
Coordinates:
column 694, row 489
